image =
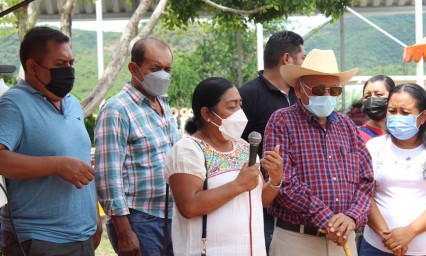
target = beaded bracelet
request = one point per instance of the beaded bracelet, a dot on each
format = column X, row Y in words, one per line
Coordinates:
column 273, row 186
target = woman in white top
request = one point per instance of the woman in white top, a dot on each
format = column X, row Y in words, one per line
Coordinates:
column 397, row 222
column 235, row 192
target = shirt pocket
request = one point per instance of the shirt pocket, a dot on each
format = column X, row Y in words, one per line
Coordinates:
column 350, row 163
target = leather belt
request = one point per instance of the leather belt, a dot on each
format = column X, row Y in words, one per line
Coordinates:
column 308, row 230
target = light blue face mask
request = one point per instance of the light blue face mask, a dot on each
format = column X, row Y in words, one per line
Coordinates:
column 321, row 106
column 402, row 127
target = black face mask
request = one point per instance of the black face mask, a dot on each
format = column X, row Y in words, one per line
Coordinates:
column 375, row 107
column 61, row 80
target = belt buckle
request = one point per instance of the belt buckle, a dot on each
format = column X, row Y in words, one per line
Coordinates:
column 302, row 229
column 321, row 232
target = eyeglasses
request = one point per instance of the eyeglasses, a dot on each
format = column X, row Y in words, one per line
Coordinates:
column 319, row 90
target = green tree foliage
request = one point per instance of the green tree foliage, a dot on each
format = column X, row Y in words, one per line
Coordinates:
column 184, row 12
column 185, row 78
column 89, row 122
column 209, row 53
column 11, row 18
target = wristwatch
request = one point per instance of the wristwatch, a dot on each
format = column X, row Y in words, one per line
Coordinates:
column 273, row 186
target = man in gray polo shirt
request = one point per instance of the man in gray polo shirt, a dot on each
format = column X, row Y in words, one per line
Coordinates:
column 45, row 155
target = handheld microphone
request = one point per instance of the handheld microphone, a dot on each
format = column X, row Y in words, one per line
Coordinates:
column 254, row 139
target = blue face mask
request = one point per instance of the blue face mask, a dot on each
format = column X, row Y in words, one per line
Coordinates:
column 321, row 106
column 402, row 127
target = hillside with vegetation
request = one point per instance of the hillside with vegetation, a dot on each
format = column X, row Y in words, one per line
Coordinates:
column 200, row 52
column 366, row 47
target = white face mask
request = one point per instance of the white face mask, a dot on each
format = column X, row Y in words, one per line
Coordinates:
column 233, row 126
column 155, row 83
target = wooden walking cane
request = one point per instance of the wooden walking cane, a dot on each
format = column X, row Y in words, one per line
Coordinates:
column 345, row 246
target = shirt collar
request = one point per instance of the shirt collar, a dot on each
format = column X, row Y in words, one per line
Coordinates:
column 310, row 117
column 134, row 93
column 266, row 82
column 24, row 85
column 269, row 85
column 137, row 96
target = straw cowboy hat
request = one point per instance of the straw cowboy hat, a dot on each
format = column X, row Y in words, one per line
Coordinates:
column 317, row 62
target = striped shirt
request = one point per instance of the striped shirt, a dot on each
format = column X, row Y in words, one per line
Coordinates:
column 132, row 141
column 326, row 171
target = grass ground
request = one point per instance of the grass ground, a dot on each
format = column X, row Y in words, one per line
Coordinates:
column 104, row 248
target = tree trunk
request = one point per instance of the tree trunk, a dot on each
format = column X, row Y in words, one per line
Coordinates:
column 65, row 8
column 107, row 79
column 240, row 59
column 21, row 15
column 33, row 13
column 26, row 19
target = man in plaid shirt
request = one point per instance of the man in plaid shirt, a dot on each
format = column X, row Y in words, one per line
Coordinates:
column 135, row 130
column 328, row 177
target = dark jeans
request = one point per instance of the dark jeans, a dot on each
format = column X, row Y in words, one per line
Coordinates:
column 367, row 249
column 34, row 247
column 149, row 230
column 268, row 222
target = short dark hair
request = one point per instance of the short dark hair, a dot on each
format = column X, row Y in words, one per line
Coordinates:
column 279, row 44
column 207, row 94
column 138, row 49
column 389, row 83
column 418, row 93
column 35, row 41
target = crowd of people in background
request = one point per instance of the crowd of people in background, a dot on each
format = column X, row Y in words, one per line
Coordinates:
column 324, row 184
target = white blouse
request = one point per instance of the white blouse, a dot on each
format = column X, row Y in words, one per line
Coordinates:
column 228, row 228
column 400, row 189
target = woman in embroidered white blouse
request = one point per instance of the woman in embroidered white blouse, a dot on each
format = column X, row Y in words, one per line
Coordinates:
column 235, row 193
column 397, row 222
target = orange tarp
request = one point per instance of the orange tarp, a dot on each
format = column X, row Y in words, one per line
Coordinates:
column 416, row 52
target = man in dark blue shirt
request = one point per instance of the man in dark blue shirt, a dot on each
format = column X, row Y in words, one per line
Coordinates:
column 269, row 92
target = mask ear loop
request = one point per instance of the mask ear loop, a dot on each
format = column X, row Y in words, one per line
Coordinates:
column 140, row 71
column 417, row 117
column 217, row 115
column 211, row 120
column 43, row 83
column 303, row 86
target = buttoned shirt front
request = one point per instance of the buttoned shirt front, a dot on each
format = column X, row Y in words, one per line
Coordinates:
column 326, row 171
column 132, row 141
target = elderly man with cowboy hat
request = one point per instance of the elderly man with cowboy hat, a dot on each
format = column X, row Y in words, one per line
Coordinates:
column 328, row 177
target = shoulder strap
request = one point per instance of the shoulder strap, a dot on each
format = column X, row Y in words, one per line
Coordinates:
column 204, row 231
column 205, row 164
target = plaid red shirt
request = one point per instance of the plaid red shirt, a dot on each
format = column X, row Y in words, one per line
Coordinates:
column 326, row 171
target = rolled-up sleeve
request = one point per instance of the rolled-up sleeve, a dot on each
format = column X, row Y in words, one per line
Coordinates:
column 111, row 134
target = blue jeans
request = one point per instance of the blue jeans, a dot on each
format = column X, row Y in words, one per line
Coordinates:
column 149, row 230
column 367, row 249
